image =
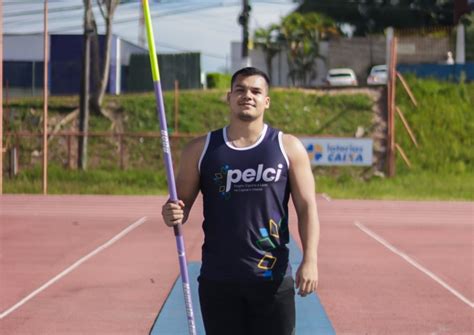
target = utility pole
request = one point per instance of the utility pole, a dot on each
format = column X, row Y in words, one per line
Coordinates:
column 84, row 98
column 244, row 22
column 141, row 29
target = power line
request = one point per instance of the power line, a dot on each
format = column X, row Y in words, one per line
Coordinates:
column 181, row 8
column 39, row 11
column 178, row 7
column 135, row 16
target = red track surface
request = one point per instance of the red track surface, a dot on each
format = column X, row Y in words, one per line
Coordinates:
column 364, row 287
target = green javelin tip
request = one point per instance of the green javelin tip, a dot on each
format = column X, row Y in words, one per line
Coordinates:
column 151, row 42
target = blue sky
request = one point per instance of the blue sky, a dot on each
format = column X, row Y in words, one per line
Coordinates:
column 207, row 26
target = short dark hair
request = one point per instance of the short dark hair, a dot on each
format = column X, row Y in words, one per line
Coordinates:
column 247, row 72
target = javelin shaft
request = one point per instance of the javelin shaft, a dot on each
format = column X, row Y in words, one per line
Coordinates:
column 160, row 109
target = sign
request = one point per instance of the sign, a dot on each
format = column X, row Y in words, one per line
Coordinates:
column 339, row 151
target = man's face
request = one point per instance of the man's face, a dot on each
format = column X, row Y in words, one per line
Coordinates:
column 248, row 98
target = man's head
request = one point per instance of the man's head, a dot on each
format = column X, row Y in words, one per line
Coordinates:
column 248, row 97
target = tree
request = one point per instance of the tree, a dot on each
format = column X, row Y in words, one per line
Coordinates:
column 107, row 10
column 84, row 95
column 269, row 40
column 301, row 34
column 371, row 16
column 100, row 70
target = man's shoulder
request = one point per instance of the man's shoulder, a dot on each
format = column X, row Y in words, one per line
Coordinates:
column 196, row 145
column 290, row 140
column 293, row 146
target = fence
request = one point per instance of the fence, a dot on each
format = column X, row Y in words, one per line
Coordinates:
column 105, row 150
column 184, row 67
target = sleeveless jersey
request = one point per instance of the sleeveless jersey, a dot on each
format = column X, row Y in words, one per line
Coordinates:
column 245, row 198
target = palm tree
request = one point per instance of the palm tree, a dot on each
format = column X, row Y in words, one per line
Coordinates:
column 268, row 40
column 302, row 34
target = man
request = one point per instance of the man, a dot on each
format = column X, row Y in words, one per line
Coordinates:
column 246, row 173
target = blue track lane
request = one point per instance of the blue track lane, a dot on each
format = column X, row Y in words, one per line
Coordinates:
column 311, row 319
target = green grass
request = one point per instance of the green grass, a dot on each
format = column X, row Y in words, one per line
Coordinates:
column 416, row 186
column 62, row 181
column 443, row 124
column 420, row 186
column 293, row 111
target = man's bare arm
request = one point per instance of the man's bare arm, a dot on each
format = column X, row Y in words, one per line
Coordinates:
column 303, row 194
column 187, row 183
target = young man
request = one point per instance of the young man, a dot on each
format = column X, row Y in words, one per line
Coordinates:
column 246, row 173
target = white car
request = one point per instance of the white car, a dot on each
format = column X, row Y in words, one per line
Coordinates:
column 341, row 77
column 378, row 75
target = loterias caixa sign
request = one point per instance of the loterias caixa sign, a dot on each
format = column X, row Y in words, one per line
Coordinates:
column 339, row 151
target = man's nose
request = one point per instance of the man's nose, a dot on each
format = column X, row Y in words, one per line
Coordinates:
column 247, row 94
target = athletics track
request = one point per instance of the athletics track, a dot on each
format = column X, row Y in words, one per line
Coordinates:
column 108, row 265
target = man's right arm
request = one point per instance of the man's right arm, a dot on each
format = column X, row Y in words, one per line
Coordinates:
column 187, row 184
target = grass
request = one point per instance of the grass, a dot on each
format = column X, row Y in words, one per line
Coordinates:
column 61, row 181
column 443, row 124
column 293, row 111
column 419, row 186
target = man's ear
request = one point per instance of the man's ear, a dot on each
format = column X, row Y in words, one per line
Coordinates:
column 267, row 102
column 228, row 97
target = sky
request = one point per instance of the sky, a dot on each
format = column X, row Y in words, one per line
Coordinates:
column 206, row 26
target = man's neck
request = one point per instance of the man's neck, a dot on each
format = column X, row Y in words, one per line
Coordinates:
column 244, row 134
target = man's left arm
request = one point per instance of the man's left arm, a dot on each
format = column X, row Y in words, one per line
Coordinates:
column 304, row 198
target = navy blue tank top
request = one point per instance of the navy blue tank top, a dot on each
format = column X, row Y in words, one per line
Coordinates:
column 245, row 194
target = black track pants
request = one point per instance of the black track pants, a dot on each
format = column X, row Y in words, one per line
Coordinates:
column 248, row 309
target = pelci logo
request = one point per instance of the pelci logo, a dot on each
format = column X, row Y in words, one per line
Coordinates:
column 246, row 180
column 315, row 151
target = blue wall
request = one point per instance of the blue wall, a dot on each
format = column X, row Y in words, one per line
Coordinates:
column 23, row 74
column 66, row 63
column 439, row 71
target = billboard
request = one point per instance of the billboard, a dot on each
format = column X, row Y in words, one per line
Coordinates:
column 339, row 151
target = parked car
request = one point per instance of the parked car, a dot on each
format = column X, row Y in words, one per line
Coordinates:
column 341, row 77
column 378, row 75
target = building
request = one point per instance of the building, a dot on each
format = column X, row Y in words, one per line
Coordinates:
column 129, row 66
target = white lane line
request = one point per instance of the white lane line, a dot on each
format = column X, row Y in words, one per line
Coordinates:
column 414, row 263
column 73, row 266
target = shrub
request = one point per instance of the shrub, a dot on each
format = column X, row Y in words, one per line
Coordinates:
column 218, row 80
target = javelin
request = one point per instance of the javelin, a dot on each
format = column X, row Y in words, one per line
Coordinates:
column 160, row 110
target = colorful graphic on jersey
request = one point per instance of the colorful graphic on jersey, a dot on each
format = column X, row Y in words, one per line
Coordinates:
column 273, row 227
column 267, row 262
column 220, row 180
column 270, row 236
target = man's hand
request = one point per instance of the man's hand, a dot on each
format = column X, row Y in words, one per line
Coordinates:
column 173, row 213
column 307, row 278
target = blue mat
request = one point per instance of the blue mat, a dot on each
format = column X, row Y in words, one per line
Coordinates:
column 311, row 319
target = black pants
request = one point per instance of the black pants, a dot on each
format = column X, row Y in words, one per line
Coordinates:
column 248, row 309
